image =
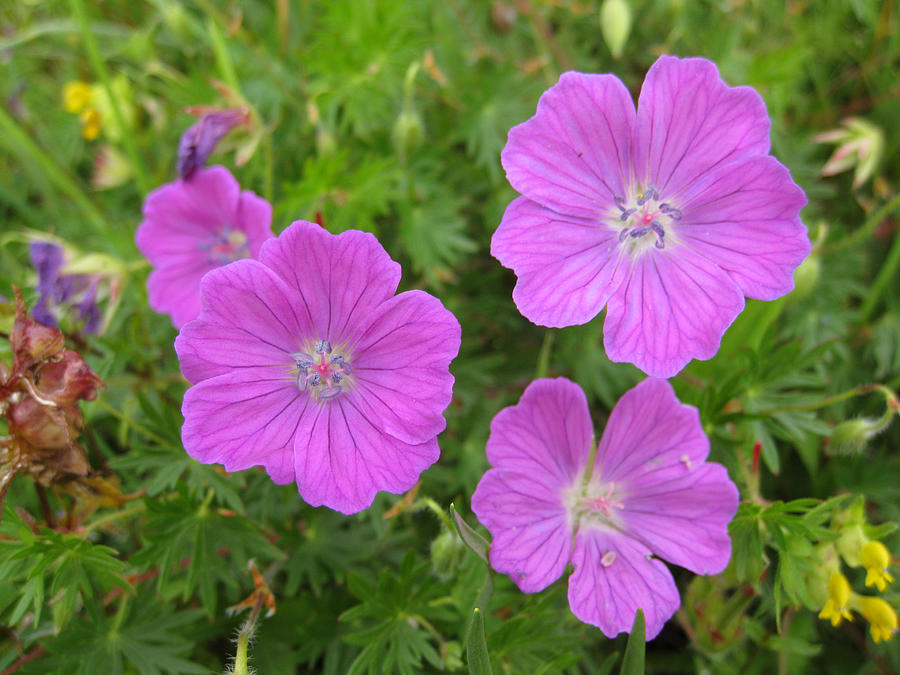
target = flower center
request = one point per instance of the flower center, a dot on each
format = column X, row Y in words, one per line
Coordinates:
column 595, row 505
column 644, row 214
column 225, row 246
column 322, row 372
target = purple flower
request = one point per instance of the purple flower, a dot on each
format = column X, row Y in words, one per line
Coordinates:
column 202, row 137
column 649, row 491
column 305, row 362
column 667, row 216
column 61, row 292
column 191, row 227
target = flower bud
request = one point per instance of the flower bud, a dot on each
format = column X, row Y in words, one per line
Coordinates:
column 199, row 140
column 806, row 277
column 615, row 24
column 446, row 553
column 881, row 617
column 326, row 145
column 837, row 607
column 853, row 435
column 408, row 132
column 876, row 559
column 850, row 542
column 860, row 146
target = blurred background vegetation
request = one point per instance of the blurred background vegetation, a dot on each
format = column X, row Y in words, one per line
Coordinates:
column 389, row 116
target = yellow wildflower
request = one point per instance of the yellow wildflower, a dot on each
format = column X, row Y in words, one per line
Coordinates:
column 881, row 617
column 90, row 123
column 836, row 608
column 876, row 559
column 76, row 96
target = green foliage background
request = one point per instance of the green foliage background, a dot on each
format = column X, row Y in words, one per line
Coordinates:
column 389, row 116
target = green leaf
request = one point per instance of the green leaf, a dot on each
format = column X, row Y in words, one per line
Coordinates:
column 476, row 647
column 633, row 662
column 472, row 538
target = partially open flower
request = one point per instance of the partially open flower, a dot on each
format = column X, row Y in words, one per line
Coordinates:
column 838, row 606
column 876, row 559
column 881, row 617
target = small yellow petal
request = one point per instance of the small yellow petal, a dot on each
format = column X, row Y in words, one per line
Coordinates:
column 90, row 123
column 876, row 559
column 881, row 616
column 76, row 95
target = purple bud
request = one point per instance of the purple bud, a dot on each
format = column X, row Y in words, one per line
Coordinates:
column 200, row 139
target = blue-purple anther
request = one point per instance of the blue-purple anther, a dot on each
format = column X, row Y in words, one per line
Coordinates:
column 324, row 377
column 225, row 246
column 646, row 216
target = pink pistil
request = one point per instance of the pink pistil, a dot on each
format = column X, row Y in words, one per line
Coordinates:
column 604, row 503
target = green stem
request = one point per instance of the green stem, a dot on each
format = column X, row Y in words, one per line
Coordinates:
column 240, row 657
column 868, row 227
column 427, row 625
column 268, row 185
column 886, row 275
column 116, row 515
column 592, row 457
column 120, row 614
column 223, row 59
column 543, row 362
column 433, row 506
column 12, row 136
column 144, row 431
column 850, row 393
column 103, row 74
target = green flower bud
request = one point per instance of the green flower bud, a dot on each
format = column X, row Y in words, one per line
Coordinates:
column 446, row 552
column 615, row 24
column 853, row 435
column 326, row 145
column 408, row 132
column 806, row 277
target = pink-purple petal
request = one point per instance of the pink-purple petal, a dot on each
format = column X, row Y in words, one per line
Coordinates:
column 244, row 418
column 531, row 538
column 567, row 266
column 204, row 203
column 685, row 519
column 174, row 291
column 614, row 577
column 650, row 437
column 675, row 306
column 745, row 218
column 546, row 436
column 342, row 458
column 690, row 122
column 254, row 217
column 401, row 365
column 574, row 154
column 337, row 279
column 248, row 319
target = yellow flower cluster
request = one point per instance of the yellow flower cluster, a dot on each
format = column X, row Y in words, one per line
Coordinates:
column 876, row 559
column 77, row 100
